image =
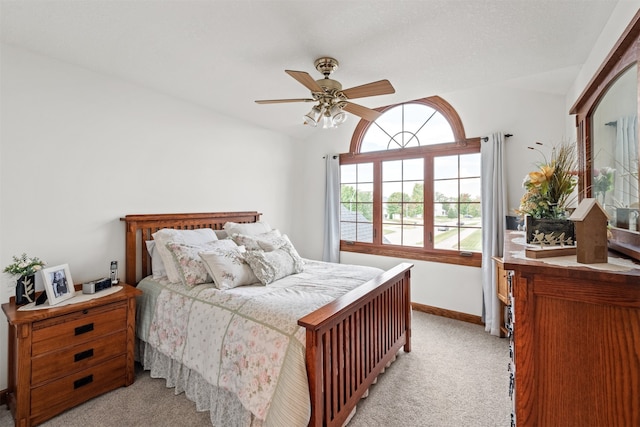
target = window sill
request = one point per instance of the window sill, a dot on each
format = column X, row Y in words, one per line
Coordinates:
column 446, row 257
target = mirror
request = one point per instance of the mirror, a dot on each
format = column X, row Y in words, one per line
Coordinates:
column 608, row 140
column 614, row 172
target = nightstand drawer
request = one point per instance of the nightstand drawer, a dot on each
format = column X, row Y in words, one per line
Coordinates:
column 75, row 328
column 55, row 364
column 71, row 390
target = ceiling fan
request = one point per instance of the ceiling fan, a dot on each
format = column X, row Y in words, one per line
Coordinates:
column 331, row 98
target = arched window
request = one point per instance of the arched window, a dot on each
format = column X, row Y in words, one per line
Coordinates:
column 410, row 186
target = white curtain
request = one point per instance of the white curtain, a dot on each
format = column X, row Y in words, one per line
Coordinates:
column 626, row 156
column 331, row 250
column 493, row 225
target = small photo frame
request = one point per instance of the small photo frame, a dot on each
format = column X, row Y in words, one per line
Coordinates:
column 58, row 283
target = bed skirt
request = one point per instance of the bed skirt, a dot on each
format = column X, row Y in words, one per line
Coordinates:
column 224, row 407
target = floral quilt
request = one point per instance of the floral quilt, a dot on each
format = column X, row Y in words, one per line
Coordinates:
column 246, row 340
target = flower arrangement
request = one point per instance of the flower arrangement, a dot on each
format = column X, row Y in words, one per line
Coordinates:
column 548, row 188
column 24, row 265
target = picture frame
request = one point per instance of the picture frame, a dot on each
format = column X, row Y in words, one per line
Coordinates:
column 58, row 283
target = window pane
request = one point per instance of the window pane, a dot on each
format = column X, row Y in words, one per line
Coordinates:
column 470, row 212
column 392, row 234
column 413, row 169
column 348, row 231
column 347, row 173
column 365, row 210
column 392, row 191
column 470, row 165
column 390, row 121
column 446, row 190
column 446, row 237
column 436, row 131
column 415, row 191
column 413, row 235
column 471, row 240
column 445, row 167
column 392, row 170
column 347, row 194
column 471, row 188
column 365, row 193
column 365, row 232
column 374, row 140
column 365, row 172
column 392, row 211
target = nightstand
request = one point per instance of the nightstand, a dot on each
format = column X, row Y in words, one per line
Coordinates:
column 62, row 356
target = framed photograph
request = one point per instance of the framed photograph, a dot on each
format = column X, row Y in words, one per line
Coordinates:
column 58, row 283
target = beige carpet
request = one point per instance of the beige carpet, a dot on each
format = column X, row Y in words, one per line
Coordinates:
column 456, row 375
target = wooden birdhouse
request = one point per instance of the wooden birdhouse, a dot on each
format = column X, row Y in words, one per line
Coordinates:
column 590, row 222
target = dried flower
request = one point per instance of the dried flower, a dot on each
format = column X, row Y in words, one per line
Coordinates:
column 24, row 265
column 548, row 188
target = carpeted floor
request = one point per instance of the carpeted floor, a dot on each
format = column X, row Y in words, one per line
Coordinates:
column 456, row 375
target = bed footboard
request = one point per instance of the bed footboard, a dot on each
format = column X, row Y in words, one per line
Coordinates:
column 351, row 340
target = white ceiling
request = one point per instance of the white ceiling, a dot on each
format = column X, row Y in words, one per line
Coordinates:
column 225, row 54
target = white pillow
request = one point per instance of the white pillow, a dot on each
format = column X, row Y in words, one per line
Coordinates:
column 189, row 264
column 271, row 239
column 157, row 266
column 225, row 263
column 251, row 228
column 189, row 237
column 271, row 266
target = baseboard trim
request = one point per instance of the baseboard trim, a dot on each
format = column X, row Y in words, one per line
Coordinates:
column 3, row 396
column 447, row 313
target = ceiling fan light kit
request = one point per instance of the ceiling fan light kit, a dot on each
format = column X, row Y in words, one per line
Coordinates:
column 330, row 99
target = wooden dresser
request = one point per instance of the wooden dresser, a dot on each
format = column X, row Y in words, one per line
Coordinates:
column 63, row 356
column 576, row 343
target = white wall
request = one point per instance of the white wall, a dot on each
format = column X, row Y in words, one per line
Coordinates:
column 79, row 150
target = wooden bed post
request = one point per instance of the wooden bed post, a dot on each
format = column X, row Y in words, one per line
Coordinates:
column 130, row 248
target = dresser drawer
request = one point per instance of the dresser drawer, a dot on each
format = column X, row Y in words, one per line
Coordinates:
column 74, row 389
column 71, row 359
column 79, row 327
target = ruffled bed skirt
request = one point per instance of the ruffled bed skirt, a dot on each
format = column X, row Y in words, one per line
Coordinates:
column 224, row 408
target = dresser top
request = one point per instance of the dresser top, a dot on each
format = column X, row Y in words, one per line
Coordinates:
column 619, row 269
column 15, row 316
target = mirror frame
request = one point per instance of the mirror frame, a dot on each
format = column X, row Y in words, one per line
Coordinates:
column 625, row 52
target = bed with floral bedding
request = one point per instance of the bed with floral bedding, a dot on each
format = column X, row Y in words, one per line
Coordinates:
column 252, row 332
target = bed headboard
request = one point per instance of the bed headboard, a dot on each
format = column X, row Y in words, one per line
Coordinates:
column 139, row 229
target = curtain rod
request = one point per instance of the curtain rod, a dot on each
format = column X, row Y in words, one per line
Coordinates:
column 486, row 138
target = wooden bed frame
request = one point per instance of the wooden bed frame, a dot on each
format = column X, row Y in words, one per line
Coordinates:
column 349, row 341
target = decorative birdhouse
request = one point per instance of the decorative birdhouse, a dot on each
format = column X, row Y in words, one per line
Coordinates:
column 590, row 221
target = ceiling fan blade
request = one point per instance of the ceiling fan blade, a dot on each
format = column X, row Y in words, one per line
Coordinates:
column 364, row 112
column 280, row 101
column 306, row 79
column 381, row 87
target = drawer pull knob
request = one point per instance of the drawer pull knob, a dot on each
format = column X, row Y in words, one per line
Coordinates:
column 83, row 355
column 84, row 329
column 82, row 381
